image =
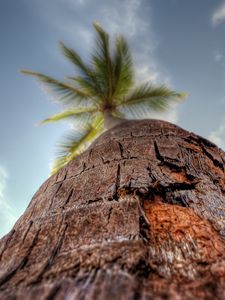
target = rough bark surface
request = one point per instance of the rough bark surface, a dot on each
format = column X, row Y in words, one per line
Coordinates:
column 139, row 215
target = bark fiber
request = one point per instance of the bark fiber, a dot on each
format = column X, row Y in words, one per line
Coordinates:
column 139, row 215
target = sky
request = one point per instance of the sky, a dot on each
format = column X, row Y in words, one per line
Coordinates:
column 177, row 42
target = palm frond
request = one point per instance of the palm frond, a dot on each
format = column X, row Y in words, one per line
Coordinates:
column 119, row 114
column 123, row 67
column 72, row 113
column 64, row 92
column 76, row 142
column 75, row 58
column 89, row 86
column 102, row 41
column 101, row 61
column 157, row 98
column 87, row 73
column 140, row 111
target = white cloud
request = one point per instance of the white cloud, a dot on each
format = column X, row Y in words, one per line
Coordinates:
column 72, row 21
column 218, row 136
column 218, row 56
column 7, row 215
column 132, row 18
column 218, row 16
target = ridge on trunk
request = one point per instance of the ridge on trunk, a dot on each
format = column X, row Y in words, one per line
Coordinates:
column 139, row 215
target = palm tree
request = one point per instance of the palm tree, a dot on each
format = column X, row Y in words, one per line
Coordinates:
column 101, row 95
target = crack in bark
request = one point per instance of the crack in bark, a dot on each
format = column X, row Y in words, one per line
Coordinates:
column 68, row 198
column 86, row 284
column 157, row 153
column 103, row 161
column 45, row 189
column 117, row 185
column 142, row 268
column 180, row 186
column 53, row 292
column 121, row 149
column 189, row 166
column 73, row 176
column 9, row 238
column 162, row 191
column 203, row 141
column 172, row 166
column 178, row 200
column 33, row 244
column 52, row 255
column 34, row 206
column 166, row 160
column 6, row 277
column 144, row 228
column 27, row 231
column 151, row 175
column 56, row 192
column 116, row 197
column 215, row 161
column 109, row 214
column 11, row 273
column 92, row 201
column 65, row 175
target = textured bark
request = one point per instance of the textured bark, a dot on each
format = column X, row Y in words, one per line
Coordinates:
column 139, row 215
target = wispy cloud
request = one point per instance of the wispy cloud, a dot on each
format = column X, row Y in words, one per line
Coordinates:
column 218, row 15
column 218, row 136
column 7, row 215
column 129, row 17
column 218, row 56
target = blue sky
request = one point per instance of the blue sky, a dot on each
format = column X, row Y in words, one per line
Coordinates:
column 178, row 42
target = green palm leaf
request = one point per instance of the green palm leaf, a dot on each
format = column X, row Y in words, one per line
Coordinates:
column 123, row 68
column 88, row 74
column 157, row 98
column 75, row 58
column 101, row 60
column 76, row 142
column 72, row 113
column 64, row 92
column 87, row 85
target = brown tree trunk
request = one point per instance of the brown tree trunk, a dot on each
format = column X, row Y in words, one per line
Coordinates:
column 139, row 215
column 111, row 121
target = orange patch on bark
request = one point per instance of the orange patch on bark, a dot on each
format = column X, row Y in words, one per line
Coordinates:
column 179, row 177
column 181, row 223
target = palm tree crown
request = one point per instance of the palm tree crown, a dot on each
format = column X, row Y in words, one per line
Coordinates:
column 101, row 94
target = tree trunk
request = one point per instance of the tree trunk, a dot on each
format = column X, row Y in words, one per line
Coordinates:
column 139, row 215
column 110, row 121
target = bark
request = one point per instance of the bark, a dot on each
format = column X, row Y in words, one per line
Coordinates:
column 139, row 215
